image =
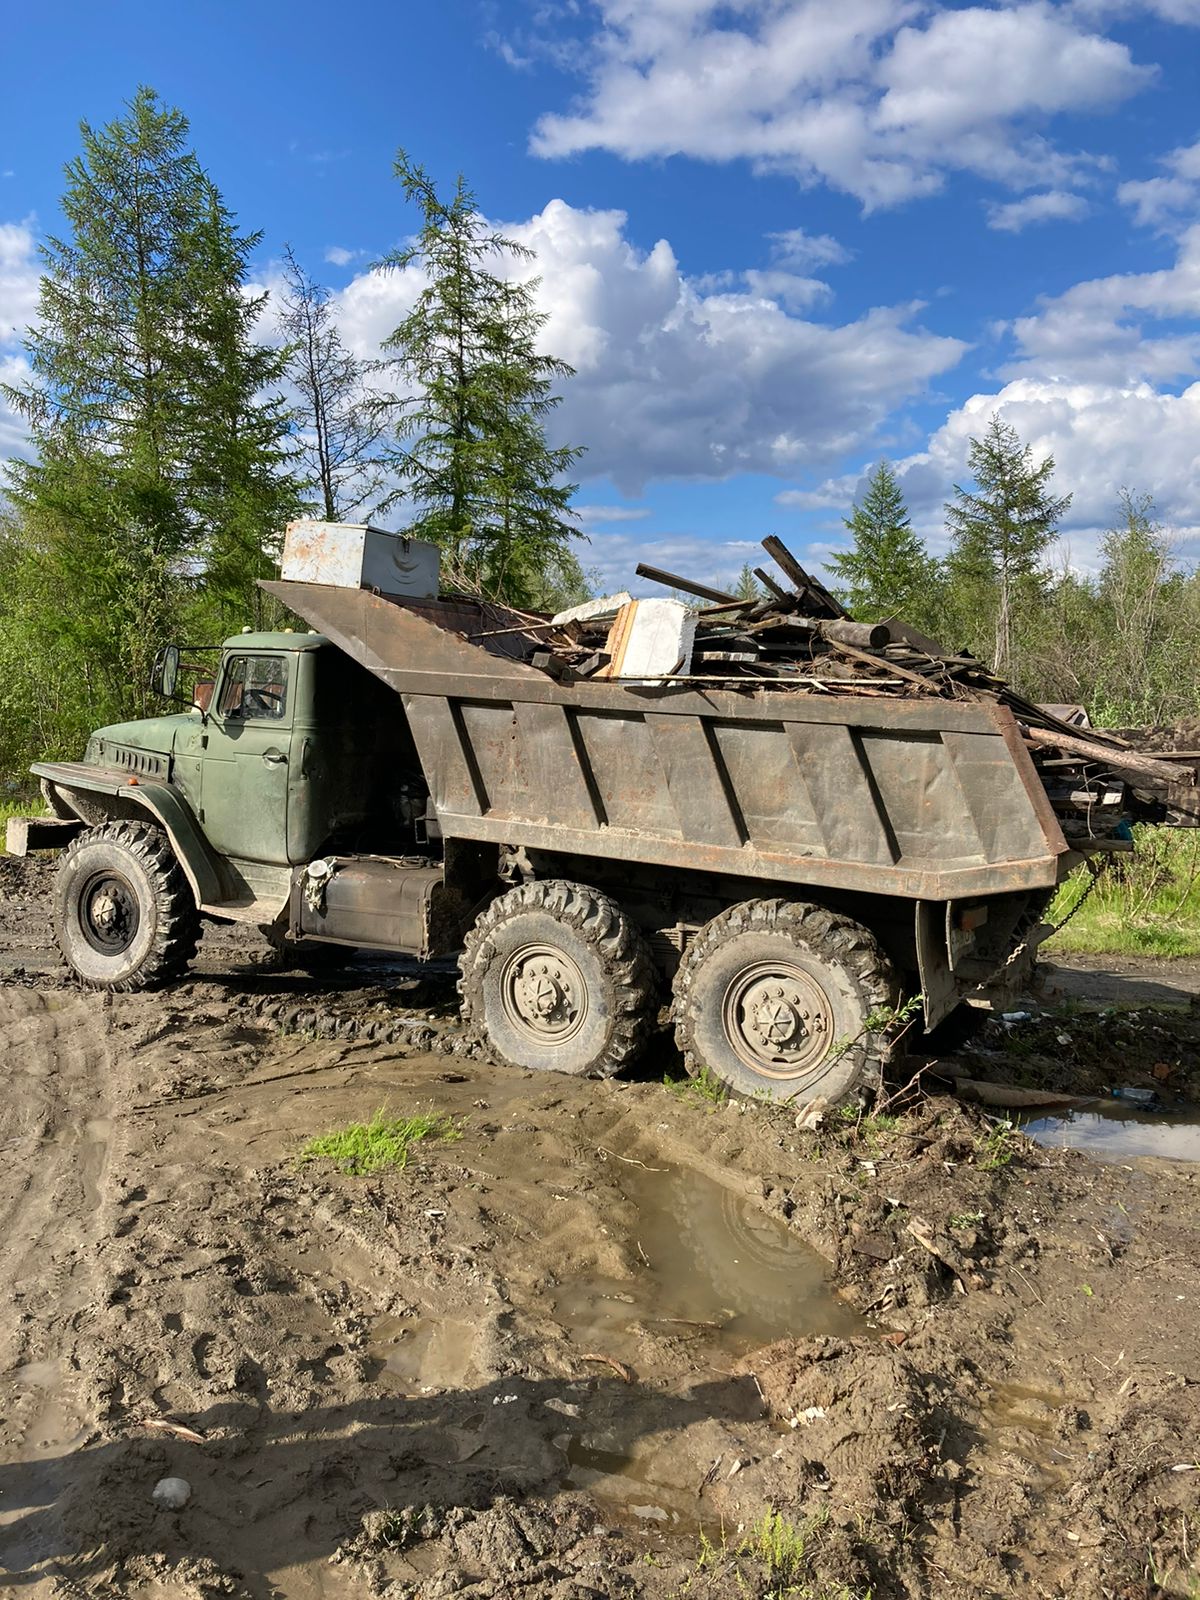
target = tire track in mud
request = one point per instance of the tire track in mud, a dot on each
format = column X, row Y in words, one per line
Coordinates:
column 56, row 1131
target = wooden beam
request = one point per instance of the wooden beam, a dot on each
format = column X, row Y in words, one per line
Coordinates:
column 672, row 580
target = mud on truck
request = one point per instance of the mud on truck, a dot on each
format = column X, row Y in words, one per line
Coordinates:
column 780, row 839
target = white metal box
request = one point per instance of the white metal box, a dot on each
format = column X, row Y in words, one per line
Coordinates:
column 350, row 555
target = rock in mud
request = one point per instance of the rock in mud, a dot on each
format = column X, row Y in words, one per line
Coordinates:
column 172, row 1493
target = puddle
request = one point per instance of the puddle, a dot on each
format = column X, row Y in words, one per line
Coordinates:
column 1112, row 1130
column 638, row 1483
column 431, row 1353
column 717, row 1270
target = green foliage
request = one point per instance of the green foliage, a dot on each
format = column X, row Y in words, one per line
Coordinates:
column 747, row 586
column 381, row 1144
column 705, row 1087
column 998, row 1146
column 469, row 443
column 1000, row 532
column 159, row 474
column 887, row 572
column 1146, row 903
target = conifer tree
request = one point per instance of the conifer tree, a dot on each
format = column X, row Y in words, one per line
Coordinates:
column 469, row 444
column 1000, row 534
column 887, row 572
column 747, row 586
column 158, row 464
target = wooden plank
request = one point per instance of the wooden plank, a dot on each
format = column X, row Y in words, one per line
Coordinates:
column 673, row 581
column 24, row 834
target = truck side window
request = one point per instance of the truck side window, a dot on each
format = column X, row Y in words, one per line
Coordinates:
column 254, row 688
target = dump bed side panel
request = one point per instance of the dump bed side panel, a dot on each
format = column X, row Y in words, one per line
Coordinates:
column 925, row 798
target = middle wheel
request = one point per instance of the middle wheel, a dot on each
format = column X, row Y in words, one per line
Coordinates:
column 555, row 976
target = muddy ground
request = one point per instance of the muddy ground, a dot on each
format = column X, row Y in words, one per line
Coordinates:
column 611, row 1341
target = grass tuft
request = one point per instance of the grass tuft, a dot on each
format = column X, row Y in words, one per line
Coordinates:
column 378, row 1145
column 705, row 1086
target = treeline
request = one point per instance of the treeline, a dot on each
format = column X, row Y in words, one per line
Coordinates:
column 176, row 422
column 1123, row 641
column 175, row 427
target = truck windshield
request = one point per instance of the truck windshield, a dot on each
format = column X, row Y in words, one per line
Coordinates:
column 254, row 688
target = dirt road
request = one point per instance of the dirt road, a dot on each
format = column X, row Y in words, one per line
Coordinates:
column 583, row 1350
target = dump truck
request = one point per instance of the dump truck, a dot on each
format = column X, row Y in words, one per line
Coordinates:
column 788, row 870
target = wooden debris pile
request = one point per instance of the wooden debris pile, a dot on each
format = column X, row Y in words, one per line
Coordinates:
column 797, row 638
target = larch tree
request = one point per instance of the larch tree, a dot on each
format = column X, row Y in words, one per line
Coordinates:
column 1000, row 532
column 468, row 443
column 337, row 425
column 158, row 466
column 887, row 571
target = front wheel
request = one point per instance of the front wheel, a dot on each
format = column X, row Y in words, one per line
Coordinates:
column 781, row 1000
column 556, row 977
column 124, row 912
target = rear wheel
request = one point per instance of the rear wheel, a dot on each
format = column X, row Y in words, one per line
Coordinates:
column 556, row 977
column 124, row 912
column 773, row 997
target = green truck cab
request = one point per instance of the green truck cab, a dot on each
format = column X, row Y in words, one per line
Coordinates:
column 289, row 752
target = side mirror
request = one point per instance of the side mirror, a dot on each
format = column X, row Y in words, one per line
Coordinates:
column 166, row 671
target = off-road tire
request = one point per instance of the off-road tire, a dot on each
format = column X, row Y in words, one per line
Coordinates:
column 163, row 941
column 516, row 937
column 840, row 976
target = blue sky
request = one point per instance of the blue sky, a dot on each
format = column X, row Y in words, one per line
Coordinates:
column 776, row 240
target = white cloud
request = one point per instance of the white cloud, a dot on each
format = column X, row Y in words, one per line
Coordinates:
column 1099, row 330
column 339, row 256
column 1170, row 202
column 19, row 275
column 675, row 381
column 795, row 249
column 1091, row 384
column 870, row 96
column 592, row 516
column 1054, row 205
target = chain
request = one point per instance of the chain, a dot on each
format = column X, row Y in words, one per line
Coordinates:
column 1096, row 868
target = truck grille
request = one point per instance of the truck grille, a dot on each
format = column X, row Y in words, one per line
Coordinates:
column 143, row 762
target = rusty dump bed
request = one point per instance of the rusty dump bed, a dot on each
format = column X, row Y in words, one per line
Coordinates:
column 926, row 798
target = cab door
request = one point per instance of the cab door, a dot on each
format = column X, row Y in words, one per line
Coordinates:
column 247, row 758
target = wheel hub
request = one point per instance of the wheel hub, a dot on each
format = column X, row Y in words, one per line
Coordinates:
column 109, row 914
column 778, row 1019
column 544, row 993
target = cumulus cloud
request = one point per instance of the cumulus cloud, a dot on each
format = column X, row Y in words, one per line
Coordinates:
column 1101, row 330
column 677, row 381
column 874, row 97
column 1092, row 384
column 339, row 256
column 1168, row 202
column 1054, row 205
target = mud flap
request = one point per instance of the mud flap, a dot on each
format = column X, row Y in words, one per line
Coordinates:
column 938, row 985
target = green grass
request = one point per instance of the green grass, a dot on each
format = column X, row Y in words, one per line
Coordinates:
column 379, row 1145
column 705, row 1087
column 1145, row 904
column 781, row 1553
